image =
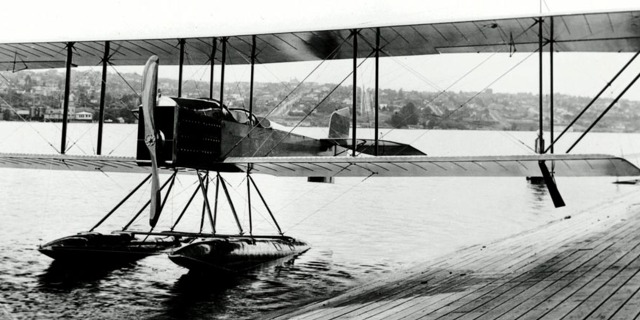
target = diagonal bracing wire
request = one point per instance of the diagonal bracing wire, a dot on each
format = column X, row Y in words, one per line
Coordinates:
column 332, row 54
column 312, row 110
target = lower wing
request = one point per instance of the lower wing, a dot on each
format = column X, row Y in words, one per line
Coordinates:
column 364, row 166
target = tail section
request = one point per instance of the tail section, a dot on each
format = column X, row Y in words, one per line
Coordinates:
column 339, row 124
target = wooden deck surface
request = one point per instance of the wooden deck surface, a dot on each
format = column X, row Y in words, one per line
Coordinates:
column 583, row 267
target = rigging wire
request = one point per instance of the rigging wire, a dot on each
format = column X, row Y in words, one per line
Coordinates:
column 30, row 125
column 80, row 137
column 342, row 194
column 113, row 66
column 126, row 138
column 474, row 96
column 445, row 91
column 333, row 53
column 310, row 111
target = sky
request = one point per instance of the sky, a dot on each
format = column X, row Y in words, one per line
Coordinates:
column 575, row 73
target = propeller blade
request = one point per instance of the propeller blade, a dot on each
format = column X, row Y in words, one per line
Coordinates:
column 151, row 137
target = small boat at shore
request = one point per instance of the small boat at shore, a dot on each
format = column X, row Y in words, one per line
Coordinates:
column 236, row 254
column 91, row 247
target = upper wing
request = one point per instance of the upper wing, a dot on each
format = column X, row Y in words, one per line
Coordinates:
column 598, row 32
column 424, row 166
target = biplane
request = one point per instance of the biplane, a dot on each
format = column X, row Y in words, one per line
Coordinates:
column 203, row 135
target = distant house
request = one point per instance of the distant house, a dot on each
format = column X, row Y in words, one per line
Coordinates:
column 84, row 116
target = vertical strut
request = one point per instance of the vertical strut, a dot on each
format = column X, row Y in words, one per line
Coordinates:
column 103, row 88
column 540, row 94
column 551, row 88
column 215, row 204
column 376, row 89
column 65, row 104
column 213, row 63
column 355, row 89
column 249, row 203
column 222, row 65
column 182, row 42
column 253, row 61
column 205, row 191
column 233, row 209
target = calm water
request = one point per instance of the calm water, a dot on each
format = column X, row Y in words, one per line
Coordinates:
column 358, row 228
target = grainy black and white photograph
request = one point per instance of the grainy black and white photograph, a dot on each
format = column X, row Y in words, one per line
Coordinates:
column 319, row 160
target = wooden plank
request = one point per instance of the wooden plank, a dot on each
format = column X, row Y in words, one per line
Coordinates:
column 543, row 288
column 457, row 295
column 588, row 285
column 618, row 300
column 483, row 301
column 532, row 267
column 597, row 299
column 630, row 309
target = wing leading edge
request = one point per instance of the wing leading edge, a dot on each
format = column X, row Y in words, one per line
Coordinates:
column 584, row 32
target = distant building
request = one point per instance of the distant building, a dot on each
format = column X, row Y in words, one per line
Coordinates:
column 56, row 114
column 84, row 116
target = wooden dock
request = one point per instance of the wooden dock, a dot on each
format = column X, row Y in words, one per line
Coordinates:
column 580, row 267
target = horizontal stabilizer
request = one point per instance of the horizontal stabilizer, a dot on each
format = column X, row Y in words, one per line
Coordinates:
column 385, row 148
column 423, row 166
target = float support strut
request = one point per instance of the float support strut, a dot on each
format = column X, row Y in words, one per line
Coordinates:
column 185, row 207
column 147, row 204
column 215, row 204
column 121, row 203
column 206, row 200
column 233, row 209
column 266, row 206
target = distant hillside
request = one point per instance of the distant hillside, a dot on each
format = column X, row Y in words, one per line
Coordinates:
column 26, row 90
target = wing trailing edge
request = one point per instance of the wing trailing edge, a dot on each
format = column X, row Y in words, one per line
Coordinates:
column 423, row 166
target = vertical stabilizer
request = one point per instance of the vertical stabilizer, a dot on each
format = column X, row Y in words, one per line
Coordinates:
column 339, row 124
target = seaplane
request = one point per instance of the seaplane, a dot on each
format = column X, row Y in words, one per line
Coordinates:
column 202, row 136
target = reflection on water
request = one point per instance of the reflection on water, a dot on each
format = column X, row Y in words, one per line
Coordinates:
column 358, row 229
column 539, row 193
column 61, row 276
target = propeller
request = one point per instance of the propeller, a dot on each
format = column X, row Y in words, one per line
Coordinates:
column 151, row 136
